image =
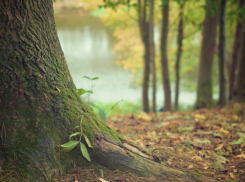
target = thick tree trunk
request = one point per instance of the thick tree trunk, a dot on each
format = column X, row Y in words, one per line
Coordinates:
column 40, row 106
column 239, row 93
column 164, row 58
column 152, row 54
column 222, row 88
column 177, row 65
column 236, row 49
column 204, row 88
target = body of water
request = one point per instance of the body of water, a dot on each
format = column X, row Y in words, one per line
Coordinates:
column 88, row 47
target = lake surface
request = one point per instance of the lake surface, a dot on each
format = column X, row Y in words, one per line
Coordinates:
column 88, row 47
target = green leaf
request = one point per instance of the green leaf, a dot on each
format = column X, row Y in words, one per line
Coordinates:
column 87, row 77
column 81, row 91
column 95, row 78
column 76, row 127
column 102, row 114
column 90, row 91
column 67, row 147
column 238, row 142
column 91, row 104
column 88, row 141
column 84, row 151
column 74, row 134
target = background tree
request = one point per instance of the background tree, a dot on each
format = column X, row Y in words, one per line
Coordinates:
column 40, row 106
column 222, row 88
column 236, row 50
column 164, row 57
column 239, row 93
column 144, row 32
column 152, row 54
column 179, row 51
column 204, row 88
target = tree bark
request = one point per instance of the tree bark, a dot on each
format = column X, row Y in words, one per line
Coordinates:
column 144, row 31
column 239, row 93
column 164, row 58
column 222, row 82
column 204, row 88
column 40, row 106
column 235, row 53
column 152, row 54
column 177, row 65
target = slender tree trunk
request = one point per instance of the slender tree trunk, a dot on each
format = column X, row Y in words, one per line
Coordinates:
column 40, row 106
column 236, row 49
column 144, row 31
column 239, row 93
column 222, row 88
column 177, row 65
column 164, row 58
column 152, row 54
column 204, row 88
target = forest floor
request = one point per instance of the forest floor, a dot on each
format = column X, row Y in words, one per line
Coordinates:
column 206, row 142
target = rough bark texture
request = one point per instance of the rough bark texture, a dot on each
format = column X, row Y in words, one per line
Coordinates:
column 239, row 93
column 204, row 88
column 40, row 106
column 222, row 88
column 152, row 54
column 144, row 32
column 164, row 58
column 235, row 53
column 177, row 65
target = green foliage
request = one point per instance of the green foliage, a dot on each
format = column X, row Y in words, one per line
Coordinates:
column 102, row 113
column 67, row 147
column 81, row 91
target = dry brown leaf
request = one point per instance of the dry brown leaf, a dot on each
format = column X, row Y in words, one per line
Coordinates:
column 198, row 158
column 102, row 180
column 220, row 146
column 232, row 175
column 199, row 116
column 241, row 155
column 222, row 130
column 190, row 167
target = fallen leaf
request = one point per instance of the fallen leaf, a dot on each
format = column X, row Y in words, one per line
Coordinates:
column 237, row 142
column 102, row 180
column 222, row 130
column 198, row 158
column 220, row 146
column 144, row 116
column 199, row 116
column 241, row 155
column 220, row 159
column 218, row 166
column 232, row 175
column 190, row 167
column 202, row 141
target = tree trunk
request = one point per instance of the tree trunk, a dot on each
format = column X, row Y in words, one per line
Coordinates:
column 236, row 49
column 164, row 58
column 144, row 31
column 152, row 54
column 40, row 106
column 177, row 65
column 239, row 93
column 222, row 88
column 204, row 88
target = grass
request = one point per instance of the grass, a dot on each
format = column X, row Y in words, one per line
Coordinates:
column 127, row 107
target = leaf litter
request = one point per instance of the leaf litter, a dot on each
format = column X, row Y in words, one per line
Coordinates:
column 205, row 142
